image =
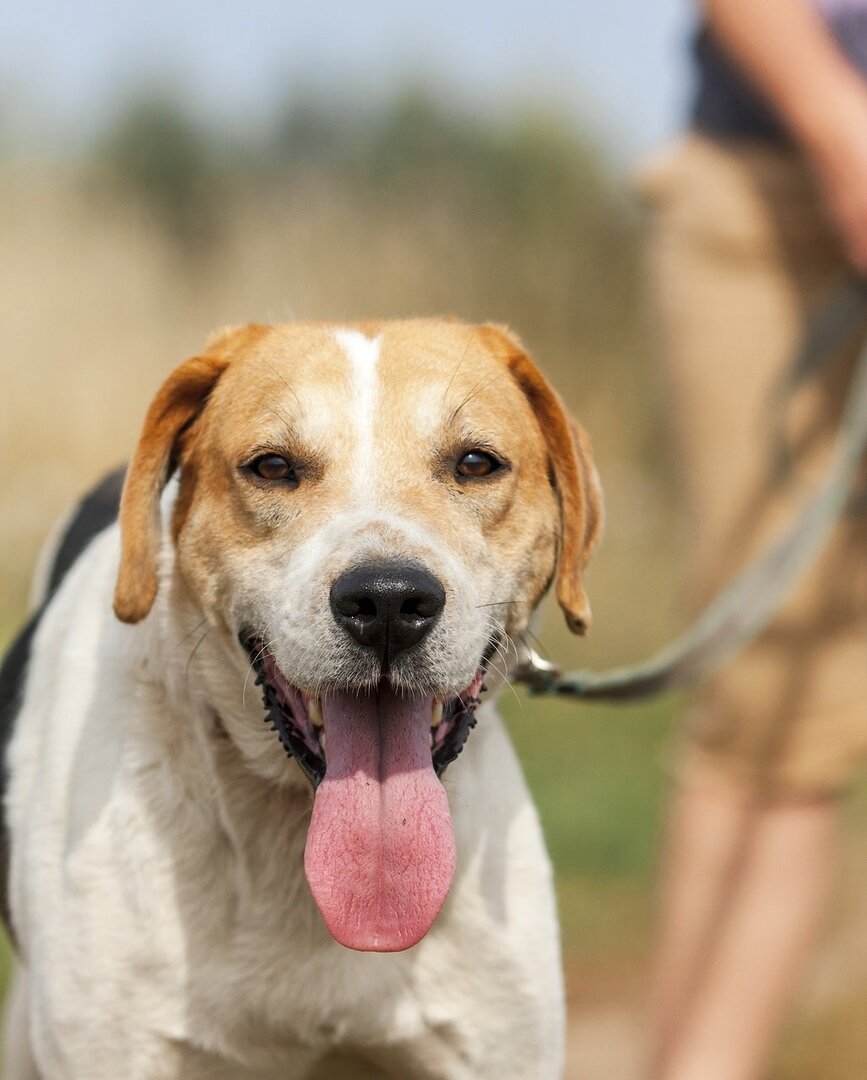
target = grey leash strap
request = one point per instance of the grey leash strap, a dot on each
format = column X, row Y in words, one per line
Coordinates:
column 819, row 350
column 744, row 608
column 825, row 334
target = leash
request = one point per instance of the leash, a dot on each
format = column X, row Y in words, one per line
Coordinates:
column 743, row 608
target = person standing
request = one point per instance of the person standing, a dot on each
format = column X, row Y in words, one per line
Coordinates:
column 756, row 215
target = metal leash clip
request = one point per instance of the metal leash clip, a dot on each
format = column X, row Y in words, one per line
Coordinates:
column 534, row 670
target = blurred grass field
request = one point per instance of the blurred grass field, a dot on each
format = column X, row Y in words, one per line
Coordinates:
column 114, row 266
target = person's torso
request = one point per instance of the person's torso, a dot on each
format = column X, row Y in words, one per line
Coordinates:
column 726, row 104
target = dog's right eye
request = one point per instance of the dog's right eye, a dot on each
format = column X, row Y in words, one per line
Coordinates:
column 275, row 468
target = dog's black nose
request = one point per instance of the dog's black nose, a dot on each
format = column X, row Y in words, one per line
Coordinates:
column 389, row 606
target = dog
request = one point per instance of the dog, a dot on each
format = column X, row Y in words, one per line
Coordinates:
column 340, row 531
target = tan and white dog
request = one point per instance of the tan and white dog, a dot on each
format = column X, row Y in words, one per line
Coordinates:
column 343, row 530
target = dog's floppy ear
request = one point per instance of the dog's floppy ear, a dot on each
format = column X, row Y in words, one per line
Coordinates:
column 574, row 475
column 177, row 403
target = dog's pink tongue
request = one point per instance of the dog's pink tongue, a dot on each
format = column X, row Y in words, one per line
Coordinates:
column 380, row 849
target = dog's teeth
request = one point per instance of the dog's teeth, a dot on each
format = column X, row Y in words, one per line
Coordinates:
column 323, row 742
column 436, row 714
column 314, row 711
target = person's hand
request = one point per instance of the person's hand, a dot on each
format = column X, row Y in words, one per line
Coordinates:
column 838, row 153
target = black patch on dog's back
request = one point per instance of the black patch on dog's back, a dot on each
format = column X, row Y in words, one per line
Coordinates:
column 96, row 511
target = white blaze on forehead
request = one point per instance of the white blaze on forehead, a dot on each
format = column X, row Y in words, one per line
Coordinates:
column 362, row 353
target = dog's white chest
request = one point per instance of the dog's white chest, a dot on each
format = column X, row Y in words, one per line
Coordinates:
column 165, row 917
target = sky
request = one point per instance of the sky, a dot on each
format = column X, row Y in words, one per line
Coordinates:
column 618, row 67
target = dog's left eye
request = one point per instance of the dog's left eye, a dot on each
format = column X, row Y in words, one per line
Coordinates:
column 274, row 467
column 476, row 464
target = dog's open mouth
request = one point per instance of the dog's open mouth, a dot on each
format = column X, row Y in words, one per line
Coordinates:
column 299, row 720
column 380, row 851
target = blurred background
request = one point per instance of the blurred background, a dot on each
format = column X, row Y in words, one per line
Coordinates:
column 167, row 168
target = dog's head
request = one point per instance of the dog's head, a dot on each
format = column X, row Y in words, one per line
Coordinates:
column 371, row 513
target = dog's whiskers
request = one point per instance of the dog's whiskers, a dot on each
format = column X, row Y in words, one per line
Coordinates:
column 502, row 640
column 510, row 644
column 251, row 667
column 542, row 648
column 503, row 652
column 477, row 389
column 506, row 680
column 283, row 380
column 193, row 653
column 457, row 369
column 194, row 630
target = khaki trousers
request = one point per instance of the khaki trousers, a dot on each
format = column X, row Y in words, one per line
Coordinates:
column 739, row 254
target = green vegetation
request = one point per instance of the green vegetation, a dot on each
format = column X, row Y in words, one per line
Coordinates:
column 530, row 183
column 597, row 777
column 159, row 151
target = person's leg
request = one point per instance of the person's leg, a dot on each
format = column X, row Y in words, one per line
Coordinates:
column 744, row 888
column 745, row 876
